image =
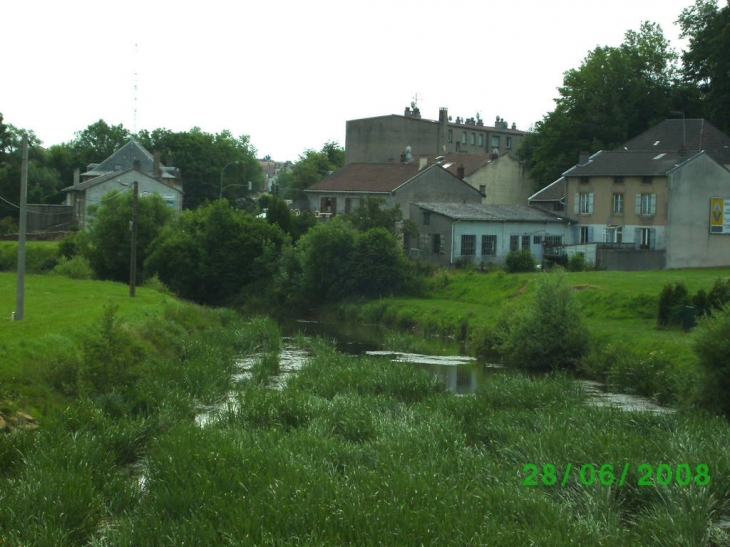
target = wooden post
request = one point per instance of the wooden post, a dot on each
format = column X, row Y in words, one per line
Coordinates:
column 133, row 259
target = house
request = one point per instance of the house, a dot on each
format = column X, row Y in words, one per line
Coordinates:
column 483, row 233
column 659, row 201
column 132, row 162
column 396, row 183
column 500, row 179
column 271, row 170
column 385, row 138
column 550, row 198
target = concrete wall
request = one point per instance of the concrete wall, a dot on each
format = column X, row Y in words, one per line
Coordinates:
column 630, row 261
column 689, row 241
column 438, row 186
column 506, row 182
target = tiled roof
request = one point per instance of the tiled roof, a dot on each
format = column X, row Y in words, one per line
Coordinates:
column 692, row 135
column 626, row 163
column 494, row 213
column 368, row 177
column 552, row 192
column 451, row 161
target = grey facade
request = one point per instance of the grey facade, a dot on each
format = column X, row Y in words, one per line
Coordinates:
column 386, row 138
column 484, row 234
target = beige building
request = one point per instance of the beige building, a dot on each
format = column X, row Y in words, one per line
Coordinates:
column 387, row 138
column 650, row 203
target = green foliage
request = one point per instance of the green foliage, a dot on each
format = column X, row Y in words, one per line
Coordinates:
column 110, row 237
column 706, row 61
column 277, row 212
column 312, row 166
column 712, row 346
column 209, row 255
column 334, row 261
column 548, row 333
column 672, row 299
column 40, row 256
column 371, row 213
column 77, row 267
column 577, row 263
column 614, row 95
column 519, row 261
column 8, row 225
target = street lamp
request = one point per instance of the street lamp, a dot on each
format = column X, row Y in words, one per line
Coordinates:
column 220, row 196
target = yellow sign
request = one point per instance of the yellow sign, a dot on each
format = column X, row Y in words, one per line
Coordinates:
column 719, row 216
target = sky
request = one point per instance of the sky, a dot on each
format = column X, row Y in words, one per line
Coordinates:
column 290, row 73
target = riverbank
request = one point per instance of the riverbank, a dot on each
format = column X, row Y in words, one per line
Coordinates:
column 619, row 308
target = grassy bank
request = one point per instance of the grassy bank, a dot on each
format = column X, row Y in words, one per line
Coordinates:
column 368, row 452
column 620, row 310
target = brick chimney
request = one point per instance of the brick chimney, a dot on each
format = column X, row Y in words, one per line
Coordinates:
column 460, row 172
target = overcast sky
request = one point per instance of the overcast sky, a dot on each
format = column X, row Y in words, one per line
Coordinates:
column 290, row 73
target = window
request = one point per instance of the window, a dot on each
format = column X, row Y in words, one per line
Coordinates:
column 473, row 139
column 585, row 180
column 489, row 245
column 646, row 180
column 463, row 137
column 508, row 142
column 348, row 205
column 426, row 218
column 438, row 243
column 618, row 204
column 468, row 245
column 424, row 242
column 481, row 139
column 583, row 203
column 483, row 190
column 553, row 240
column 451, row 136
column 585, row 234
column 618, row 180
column 514, row 243
column 495, row 141
column 646, row 204
column 613, row 234
column 525, row 242
column 537, row 240
column 645, row 238
column 328, row 205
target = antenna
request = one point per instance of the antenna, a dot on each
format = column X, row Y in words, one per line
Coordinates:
column 135, row 89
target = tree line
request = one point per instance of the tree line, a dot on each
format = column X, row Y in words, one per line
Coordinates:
column 619, row 92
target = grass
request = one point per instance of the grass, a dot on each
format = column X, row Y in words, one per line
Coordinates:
column 360, row 451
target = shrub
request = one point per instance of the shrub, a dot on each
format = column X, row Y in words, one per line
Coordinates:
column 519, row 261
column 671, row 300
column 546, row 334
column 712, row 346
column 577, row 263
column 77, row 267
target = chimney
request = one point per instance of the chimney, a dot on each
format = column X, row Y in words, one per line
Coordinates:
column 422, row 162
column 77, row 177
column 407, row 112
column 584, row 157
column 156, row 164
column 460, row 172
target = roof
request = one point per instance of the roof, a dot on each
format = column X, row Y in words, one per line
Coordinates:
column 554, row 191
column 451, row 125
column 626, row 163
column 369, row 177
column 693, row 135
column 124, row 159
column 492, row 213
column 109, row 176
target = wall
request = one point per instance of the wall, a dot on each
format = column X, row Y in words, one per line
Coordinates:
column 506, row 182
column 436, row 185
column 689, row 242
column 630, row 260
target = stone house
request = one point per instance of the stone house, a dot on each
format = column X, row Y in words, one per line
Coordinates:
column 116, row 174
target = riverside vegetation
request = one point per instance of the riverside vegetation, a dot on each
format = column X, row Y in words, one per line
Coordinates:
column 355, row 451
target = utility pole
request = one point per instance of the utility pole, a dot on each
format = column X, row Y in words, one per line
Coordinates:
column 133, row 259
column 22, row 229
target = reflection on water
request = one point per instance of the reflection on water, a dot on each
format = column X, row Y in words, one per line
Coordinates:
column 598, row 395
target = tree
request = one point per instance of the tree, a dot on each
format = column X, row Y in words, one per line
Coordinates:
column 707, row 61
column 712, row 346
column 97, row 142
column 210, row 255
column 110, row 239
column 615, row 94
column 312, row 167
column 202, row 158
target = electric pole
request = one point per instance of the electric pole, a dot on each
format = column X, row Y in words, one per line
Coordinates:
column 133, row 259
column 22, row 229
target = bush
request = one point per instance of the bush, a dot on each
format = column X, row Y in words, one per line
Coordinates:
column 712, row 346
column 547, row 333
column 519, row 261
column 577, row 263
column 77, row 267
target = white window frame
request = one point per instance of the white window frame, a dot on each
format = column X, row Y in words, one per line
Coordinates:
column 583, row 203
column 618, row 204
column 646, row 204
